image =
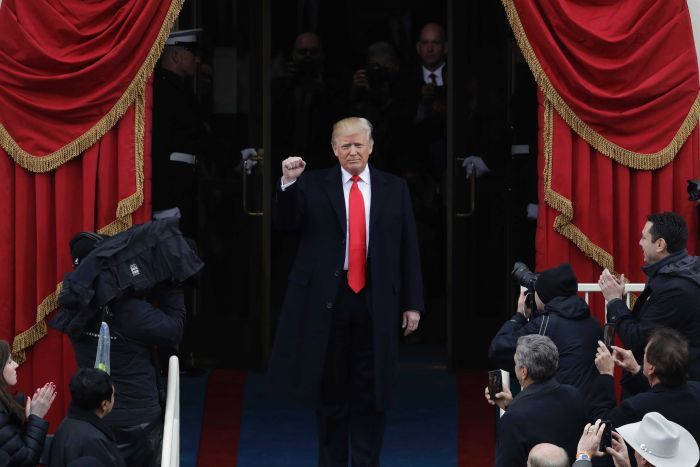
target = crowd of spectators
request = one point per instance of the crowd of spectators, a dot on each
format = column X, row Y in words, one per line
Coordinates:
column 566, row 373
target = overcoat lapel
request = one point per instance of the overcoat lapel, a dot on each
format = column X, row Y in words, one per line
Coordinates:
column 334, row 190
column 378, row 196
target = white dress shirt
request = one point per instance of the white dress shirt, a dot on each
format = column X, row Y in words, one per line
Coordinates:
column 365, row 186
column 438, row 75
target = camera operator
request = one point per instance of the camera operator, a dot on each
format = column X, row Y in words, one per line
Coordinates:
column 561, row 315
column 136, row 327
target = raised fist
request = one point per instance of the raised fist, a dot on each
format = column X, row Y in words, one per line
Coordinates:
column 292, row 168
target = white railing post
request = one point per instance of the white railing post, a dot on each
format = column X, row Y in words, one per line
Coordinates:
column 170, row 456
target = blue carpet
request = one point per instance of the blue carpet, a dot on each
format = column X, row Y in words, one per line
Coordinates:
column 192, row 393
column 421, row 428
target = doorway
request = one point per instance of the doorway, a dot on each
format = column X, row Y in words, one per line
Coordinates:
column 473, row 229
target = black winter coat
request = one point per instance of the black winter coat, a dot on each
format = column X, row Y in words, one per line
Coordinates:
column 83, row 434
column 315, row 206
column 546, row 412
column 136, row 327
column 671, row 298
column 23, row 442
column 679, row 404
column 568, row 322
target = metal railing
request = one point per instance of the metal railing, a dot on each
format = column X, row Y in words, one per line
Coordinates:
column 594, row 287
column 170, row 456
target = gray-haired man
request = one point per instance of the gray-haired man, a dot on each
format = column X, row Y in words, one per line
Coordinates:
column 536, row 414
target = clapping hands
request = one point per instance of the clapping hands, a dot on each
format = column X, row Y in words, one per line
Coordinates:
column 41, row 402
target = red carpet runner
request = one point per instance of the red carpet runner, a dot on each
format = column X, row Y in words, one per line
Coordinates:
column 476, row 422
column 221, row 422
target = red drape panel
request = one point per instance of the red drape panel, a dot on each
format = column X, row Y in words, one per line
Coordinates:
column 610, row 203
column 69, row 69
column 75, row 139
column 39, row 214
column 619, row 108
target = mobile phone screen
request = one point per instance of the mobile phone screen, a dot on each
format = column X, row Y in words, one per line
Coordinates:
column 609, row 335
column 495, row 383
column 606, row 439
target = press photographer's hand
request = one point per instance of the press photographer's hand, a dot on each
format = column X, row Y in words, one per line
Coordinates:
column 523, row 309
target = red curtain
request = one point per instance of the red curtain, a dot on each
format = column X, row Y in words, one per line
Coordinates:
column 75, row 139
column 618, row 117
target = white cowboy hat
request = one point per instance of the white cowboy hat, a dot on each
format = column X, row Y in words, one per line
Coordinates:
column 661, row 442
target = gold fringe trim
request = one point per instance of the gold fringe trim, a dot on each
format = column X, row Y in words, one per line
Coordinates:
column 635, row 160
column 563, row 223
column 125, row 208
column 40, row 164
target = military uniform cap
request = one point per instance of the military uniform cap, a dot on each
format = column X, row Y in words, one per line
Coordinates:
column 186, row 37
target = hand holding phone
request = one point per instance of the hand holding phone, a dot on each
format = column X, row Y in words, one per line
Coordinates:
column 609, row 336
column 606, row 439
column 495, row 383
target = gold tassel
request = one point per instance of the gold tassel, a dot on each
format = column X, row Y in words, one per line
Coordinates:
column 41, row 164
column 563, row 223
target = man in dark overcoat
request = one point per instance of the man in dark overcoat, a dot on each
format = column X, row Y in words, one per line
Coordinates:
column 356, row 281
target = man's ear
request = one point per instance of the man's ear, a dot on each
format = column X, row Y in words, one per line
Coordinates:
column 661, row 245
column 652, row 369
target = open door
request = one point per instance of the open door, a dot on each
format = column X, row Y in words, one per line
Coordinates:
column 230, row 324
column 488, row 228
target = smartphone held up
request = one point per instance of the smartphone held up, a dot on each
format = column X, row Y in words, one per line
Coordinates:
column 495, row 383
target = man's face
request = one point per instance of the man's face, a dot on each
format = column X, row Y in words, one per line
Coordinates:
column 307, row 49
column 652, row 250
column 353, row 150
column 187, row 61
column 432, row 46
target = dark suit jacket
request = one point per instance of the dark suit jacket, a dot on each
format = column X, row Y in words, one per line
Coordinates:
column 679, row 404
column 546, row 412
column 315, row 206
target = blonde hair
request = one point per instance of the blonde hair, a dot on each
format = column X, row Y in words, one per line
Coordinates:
column 352, row 125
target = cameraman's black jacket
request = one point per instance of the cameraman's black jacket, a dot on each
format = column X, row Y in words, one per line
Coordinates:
column 136, row 327
column 568, row 322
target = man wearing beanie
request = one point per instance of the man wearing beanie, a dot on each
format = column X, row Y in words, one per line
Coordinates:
column 562, row 316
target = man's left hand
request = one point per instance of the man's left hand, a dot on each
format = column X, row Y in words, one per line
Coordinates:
column 410, row 321
column 603, row 360
column 611, row 286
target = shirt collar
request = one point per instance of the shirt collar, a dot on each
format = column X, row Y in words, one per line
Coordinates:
column 364, row 175
column 438, row 72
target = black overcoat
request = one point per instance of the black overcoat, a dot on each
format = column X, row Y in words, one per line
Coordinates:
column 315, row 206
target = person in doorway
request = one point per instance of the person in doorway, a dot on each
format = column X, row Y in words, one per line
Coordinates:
column 671, row 297
column 357, row 269
column 177, row 129
column 83, row 432
column 431, row 108
column 22, row 425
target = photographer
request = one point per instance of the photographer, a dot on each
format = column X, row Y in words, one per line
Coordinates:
column 665, row 367
column 545, row 411
column 561, row 315
column 136, row 327
column 381, row 94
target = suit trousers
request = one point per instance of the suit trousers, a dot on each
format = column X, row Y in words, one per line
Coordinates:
column 348, row 423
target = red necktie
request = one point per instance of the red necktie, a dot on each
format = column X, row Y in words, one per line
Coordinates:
column 357, row 250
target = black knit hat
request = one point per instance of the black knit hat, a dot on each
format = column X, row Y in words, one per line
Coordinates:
column 82, row 244
column 556, row 282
